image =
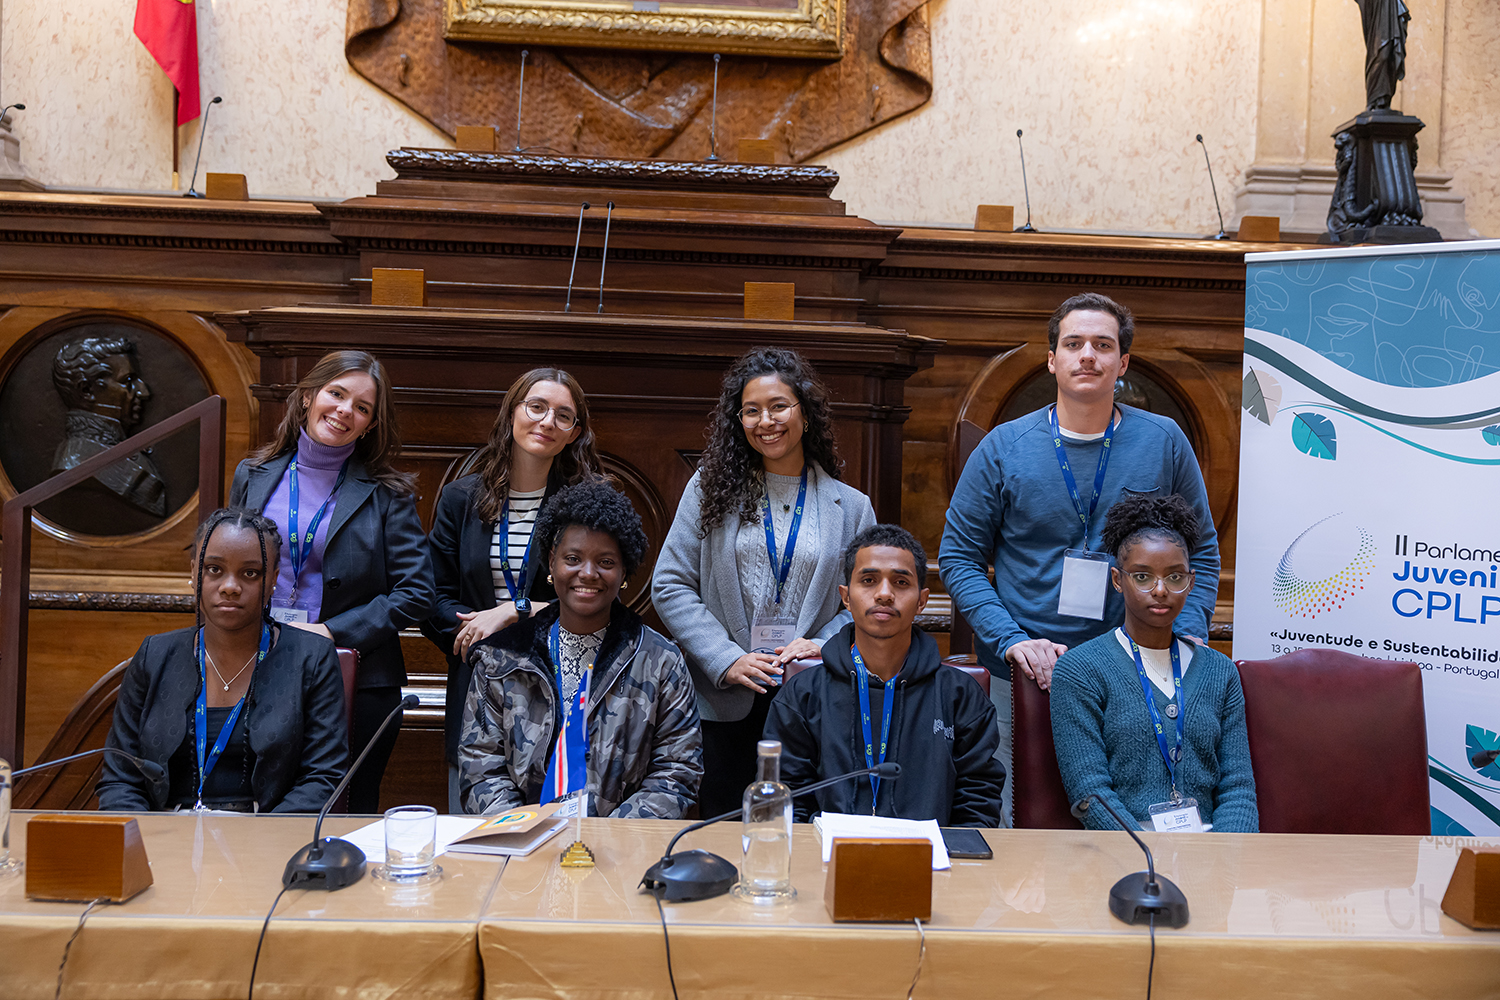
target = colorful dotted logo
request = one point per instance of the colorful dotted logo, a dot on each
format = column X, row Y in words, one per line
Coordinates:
column 1302, row 598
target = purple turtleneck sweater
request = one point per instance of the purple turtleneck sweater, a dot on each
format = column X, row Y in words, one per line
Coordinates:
column 317, row 470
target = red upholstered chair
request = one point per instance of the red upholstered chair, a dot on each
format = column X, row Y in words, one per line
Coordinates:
column 1338, row 743
column 348, row 666
column 1036, row 783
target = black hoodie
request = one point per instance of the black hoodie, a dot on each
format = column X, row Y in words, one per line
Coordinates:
column 943, row 734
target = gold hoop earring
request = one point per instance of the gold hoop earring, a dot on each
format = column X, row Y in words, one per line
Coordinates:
column 625, row 585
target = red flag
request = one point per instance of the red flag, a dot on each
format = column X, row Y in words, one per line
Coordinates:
column 169, row 30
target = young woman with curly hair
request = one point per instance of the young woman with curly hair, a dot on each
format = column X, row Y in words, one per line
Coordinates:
column 488, row 570
column 355, row 566
column 747, row 580
column 583, row 695
column 1150, row 722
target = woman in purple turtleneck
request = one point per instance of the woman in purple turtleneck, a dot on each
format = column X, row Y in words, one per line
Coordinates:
column 355, row 566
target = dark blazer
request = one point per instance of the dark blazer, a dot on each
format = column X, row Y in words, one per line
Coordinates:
column 377, row 578
column 294, row 720
column 460, row 549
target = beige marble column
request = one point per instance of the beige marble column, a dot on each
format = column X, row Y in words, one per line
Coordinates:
column 1312, row 81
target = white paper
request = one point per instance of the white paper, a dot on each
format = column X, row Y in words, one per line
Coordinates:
column 831, row 825
column 1084, row 584
column 371, row 838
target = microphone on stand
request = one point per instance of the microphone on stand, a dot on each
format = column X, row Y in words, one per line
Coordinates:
column 1222, row 235
column 150, row 769
column 1484, row 759
column 1142, row 896
column 520, row 97
column 22, row 107
column 604, row 257
column 1028, row 228
column 202, row 131
column 713, row 121
column 577, row 240
column 698, row 874
column 333, row 863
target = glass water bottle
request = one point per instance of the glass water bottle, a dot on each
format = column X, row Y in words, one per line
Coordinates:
column 766, row 871
column 8, row 865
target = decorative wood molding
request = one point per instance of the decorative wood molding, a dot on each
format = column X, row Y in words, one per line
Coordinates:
column 412, row 162
column 77, row 600
column 811, row 31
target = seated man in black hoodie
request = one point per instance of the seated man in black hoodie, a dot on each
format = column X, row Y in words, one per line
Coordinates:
column 883, row 694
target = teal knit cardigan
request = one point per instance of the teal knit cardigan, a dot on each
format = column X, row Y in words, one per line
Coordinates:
column 1105, row 743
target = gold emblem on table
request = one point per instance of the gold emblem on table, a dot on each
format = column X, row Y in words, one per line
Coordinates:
column 578, row 856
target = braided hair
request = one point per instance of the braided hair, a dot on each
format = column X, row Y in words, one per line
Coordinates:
column 1138, row 516
column 270, row 545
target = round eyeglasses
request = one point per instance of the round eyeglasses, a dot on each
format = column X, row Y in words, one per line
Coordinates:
column 1176, row 583
column 537, row 409
column 779, row 413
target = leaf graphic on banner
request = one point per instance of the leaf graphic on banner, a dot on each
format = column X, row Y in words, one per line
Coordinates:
column 1478, row 747
column 1313, row 435
column 1261, row 396
column 1492, row 434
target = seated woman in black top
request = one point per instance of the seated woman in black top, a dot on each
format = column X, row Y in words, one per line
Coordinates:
column 243, row 714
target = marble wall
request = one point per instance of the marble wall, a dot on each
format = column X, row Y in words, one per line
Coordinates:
column 1109, row 92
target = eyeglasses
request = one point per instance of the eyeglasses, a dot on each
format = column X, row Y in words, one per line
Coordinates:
column 779, row 412
column 1176, row 583
column 537, row 409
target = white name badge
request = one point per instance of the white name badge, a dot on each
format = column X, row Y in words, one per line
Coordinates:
column 767, row 637
column 1085, row 581
column 1177, row 817
column 288, row 616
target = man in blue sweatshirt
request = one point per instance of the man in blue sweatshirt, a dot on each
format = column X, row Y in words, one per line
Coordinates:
column 1032, row 498
column 882, row 694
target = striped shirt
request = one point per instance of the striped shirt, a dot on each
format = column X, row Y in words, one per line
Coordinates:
column 521, row 513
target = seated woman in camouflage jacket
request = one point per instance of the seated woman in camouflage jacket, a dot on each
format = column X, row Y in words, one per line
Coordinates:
column 583, row 694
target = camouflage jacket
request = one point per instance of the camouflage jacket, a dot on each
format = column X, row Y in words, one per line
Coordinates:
column 645, row 752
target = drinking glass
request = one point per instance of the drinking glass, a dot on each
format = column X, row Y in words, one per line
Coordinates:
column 8, row 864
column 410, row 843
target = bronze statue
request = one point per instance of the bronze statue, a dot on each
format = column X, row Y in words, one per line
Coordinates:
column 1344, row 212
column 1385, row 49
column 105, row 396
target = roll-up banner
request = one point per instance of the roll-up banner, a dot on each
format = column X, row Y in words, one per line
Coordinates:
column 1369, row 499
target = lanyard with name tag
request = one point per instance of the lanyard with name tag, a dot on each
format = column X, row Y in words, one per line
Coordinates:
column 1180, row 814
column 887, row 704
column 516, row 588
column 300, row 548
column 785, row 569
column 1085, row 575
column 207, row 757
column 567, row 771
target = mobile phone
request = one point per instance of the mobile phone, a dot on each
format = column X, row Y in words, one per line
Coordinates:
column 963, row 842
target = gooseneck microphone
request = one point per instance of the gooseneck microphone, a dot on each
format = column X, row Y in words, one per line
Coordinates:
column 1215, row 188
column 698, row 874
column 333, row 863
column 521, row 97
column 7, row 110
column 604, row 257
column 1025, row 188
column 202, row 132
column 1143, row 896
column 577, row 241
column 150, row 769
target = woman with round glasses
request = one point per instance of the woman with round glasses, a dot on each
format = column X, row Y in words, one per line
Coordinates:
column 489, row 574
column 748, row 577
column 1150, row 722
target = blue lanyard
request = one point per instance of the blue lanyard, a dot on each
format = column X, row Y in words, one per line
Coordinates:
column 302, row 549
column 567, row 771
column 208, row 758
column 791, row 535
column 1173, row 756
column 1086, row 515
column 512, row 587
column 862, row 680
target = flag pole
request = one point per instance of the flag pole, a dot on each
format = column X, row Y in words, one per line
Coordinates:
column 176, row 153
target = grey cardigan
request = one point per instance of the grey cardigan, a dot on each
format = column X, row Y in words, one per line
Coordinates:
column 696, row 589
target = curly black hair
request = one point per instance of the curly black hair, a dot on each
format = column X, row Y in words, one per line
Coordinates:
column 594, row 504
column 1142, row 515
column 732, row 476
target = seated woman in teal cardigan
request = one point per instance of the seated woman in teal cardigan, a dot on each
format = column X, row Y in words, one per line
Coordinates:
column 1151, row 723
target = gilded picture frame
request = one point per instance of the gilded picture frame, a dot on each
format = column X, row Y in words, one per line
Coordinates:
column 814, row 29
